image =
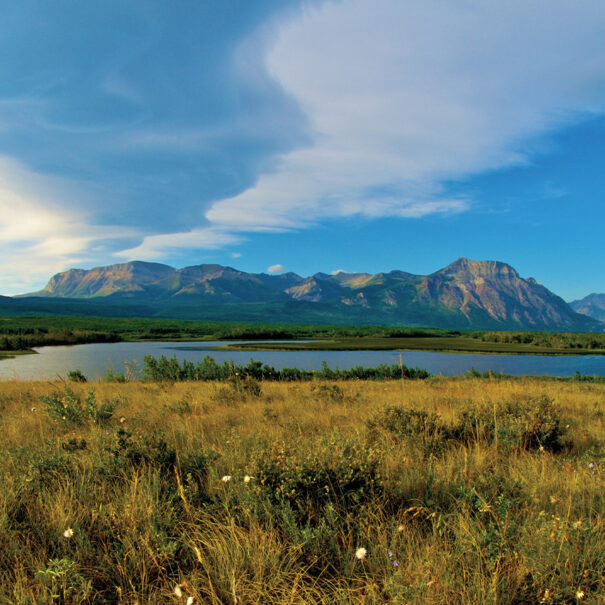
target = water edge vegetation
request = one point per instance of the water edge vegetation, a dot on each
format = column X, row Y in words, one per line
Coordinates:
column 23, row 333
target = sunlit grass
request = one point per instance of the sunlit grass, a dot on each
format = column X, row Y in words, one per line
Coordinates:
column 327, row 501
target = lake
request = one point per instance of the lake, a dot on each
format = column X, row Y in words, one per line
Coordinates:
column 95, row 359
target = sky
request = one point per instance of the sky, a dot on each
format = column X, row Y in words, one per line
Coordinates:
column 303, row 135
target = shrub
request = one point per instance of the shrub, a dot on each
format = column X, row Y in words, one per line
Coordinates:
column 68, row 407
column 308, row 484
column 406, row 423
column 63, row 582
column 76, row 376
column 111, row 376
column 527, row 424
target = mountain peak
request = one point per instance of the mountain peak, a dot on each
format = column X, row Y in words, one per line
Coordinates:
column 592, row 305
column 482, row 268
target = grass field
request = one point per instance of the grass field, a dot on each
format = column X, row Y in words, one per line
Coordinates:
column 433, row 491
column 451, row 344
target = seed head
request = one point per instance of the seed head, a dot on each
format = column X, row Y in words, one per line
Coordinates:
column 361, row 553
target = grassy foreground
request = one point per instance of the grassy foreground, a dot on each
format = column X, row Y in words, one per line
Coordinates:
column 432, row 491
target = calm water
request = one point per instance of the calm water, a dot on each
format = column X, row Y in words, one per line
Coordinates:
column 95, row 359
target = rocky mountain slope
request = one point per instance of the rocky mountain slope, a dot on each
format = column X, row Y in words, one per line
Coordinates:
column 592, row 305
column 465, row 294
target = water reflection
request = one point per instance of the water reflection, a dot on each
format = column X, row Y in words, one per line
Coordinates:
column 96, row 359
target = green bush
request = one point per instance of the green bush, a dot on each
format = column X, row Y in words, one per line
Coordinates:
column 64, row 582
column 308, row 484
column 420, row 426
column 69, row 408
column 528, row 424
column 76, row 376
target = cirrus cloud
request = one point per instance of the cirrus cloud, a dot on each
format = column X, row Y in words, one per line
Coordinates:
column 404, row 97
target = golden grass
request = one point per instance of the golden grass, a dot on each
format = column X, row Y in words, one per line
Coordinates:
column 467, row 522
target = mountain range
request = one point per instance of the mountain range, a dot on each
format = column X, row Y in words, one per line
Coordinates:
column 592, row 305
column 466, row 294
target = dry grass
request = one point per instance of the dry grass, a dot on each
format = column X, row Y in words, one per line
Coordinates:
column 467, row 520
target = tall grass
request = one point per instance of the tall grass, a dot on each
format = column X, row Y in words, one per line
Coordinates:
column 460, row 491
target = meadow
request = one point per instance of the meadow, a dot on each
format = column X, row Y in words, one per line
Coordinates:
column 429, row 490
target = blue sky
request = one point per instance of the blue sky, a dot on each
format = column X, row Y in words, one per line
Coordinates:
column 308, row 135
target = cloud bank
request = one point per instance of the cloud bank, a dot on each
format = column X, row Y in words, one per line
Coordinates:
column 404, row 97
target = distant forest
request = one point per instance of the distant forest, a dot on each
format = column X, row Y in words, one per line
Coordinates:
column 23, row 333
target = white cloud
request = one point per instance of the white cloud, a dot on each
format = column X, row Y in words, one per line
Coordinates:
column 276, row 269
column 157, row 246
column 402, row 97
column 41, row 230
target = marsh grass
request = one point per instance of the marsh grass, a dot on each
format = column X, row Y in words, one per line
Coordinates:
column 461, row 491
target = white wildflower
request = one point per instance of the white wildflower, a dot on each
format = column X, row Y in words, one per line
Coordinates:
column 68, row 533
column 123, row 419
column 247, row 479
column 177, row 591
column 189, row 601
column 226, row 478
column 580, row 595
column 361, row 553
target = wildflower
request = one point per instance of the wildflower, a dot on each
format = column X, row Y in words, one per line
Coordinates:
column 541, row 448
column 591, row 465
column 400, row 528
column 123, row 419
column 390, row 553
column 361, row 553
column 33, row 409
column 68, row 533
column 247, row 479
column 395, row 564
column 580, row 595
column 189, row 601
column 226, row 478
column 177, row 591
